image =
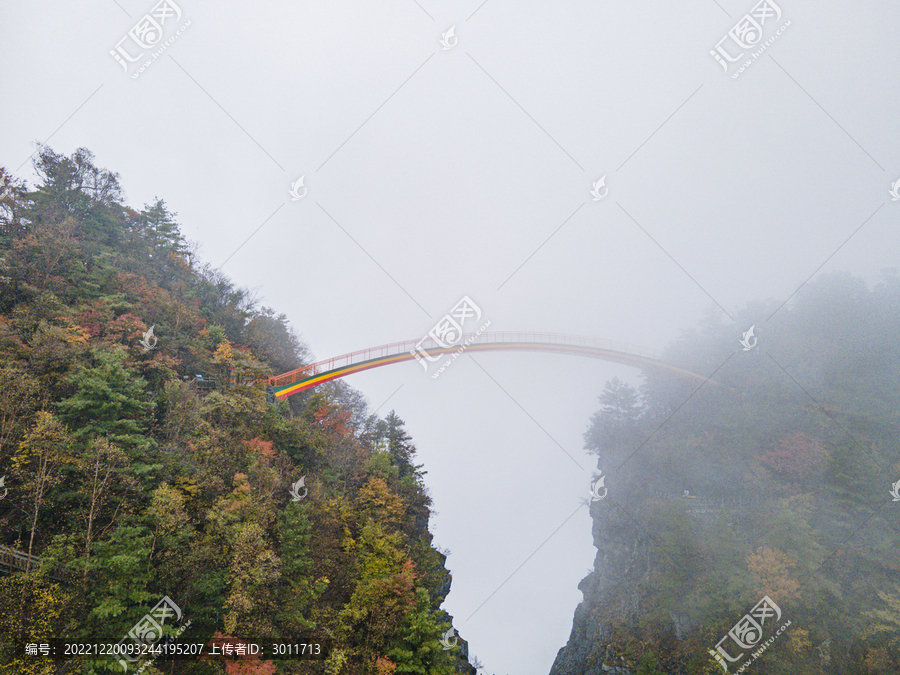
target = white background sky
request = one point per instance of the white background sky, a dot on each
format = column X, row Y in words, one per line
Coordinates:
column 457, row 177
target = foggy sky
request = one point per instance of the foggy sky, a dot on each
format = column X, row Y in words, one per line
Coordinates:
column 434, row 174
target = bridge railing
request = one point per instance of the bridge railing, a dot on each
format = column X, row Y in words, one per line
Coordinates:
column 429, row 343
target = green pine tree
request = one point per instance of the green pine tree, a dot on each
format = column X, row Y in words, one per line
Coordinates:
column 110, row 401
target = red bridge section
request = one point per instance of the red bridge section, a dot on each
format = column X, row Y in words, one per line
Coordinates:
column 298, row 380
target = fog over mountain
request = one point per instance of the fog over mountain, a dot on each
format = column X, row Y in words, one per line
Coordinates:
column 687, row 213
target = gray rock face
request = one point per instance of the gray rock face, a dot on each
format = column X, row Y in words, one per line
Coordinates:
column 622, row 569
column 621, row 562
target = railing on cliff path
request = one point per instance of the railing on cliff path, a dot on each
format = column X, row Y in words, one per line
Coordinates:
column 712, row 504
column 12, row 560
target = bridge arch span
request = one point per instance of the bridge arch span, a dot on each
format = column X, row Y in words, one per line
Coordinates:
column 306, row 377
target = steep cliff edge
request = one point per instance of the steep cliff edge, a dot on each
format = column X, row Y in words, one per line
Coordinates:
column 750, row 523
column 621, row 591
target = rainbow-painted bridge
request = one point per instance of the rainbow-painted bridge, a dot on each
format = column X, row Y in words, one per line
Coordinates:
column 315, row 374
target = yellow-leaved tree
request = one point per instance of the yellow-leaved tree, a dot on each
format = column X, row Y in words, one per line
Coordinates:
column 31, row 611
column 885, row 620
column 38, row 460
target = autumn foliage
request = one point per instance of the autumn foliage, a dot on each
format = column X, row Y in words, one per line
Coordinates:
column 158, row 467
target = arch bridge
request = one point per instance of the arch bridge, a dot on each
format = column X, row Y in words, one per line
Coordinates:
column 293, row 382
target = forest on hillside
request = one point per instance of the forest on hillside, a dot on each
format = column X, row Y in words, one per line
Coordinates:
column 140, row 465
column 777, row 478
